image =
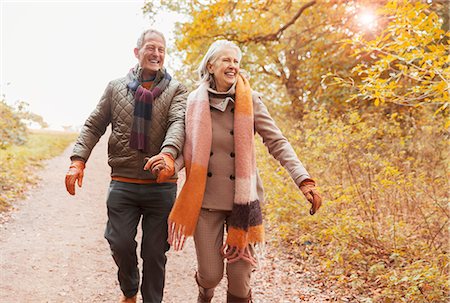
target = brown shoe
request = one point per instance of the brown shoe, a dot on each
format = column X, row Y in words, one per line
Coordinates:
column 233, row 299
column 124, row 299
column 205, row 295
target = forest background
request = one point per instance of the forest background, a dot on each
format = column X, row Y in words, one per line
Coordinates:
column 361, row 90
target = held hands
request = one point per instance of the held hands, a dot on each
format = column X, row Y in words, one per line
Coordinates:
column 75, row 173
column 308, row 188
column 162, row 166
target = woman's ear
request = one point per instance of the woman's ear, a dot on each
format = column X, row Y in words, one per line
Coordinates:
column 210, row 68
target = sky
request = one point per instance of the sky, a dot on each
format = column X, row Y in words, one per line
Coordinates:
column 58, row 56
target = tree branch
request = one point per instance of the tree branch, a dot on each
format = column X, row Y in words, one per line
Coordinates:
column 277, row 34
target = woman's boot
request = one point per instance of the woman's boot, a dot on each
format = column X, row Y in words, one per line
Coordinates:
column 205, row 295
column 233, row 299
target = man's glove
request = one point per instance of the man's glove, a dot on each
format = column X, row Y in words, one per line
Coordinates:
column 162, row 166
column 75, row 173
column 308, row 188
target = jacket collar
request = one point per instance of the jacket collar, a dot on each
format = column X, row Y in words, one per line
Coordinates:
column 136, row 74
column 220, row 100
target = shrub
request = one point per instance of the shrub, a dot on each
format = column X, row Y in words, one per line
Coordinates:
column 19, row 162
column 12, row 130
column 383, row 230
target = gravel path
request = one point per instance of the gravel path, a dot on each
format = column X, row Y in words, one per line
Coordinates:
column 52, row 249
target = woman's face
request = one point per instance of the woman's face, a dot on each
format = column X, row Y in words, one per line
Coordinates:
column 225, row 69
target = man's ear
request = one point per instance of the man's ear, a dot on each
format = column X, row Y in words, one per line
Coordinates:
column 136, row 52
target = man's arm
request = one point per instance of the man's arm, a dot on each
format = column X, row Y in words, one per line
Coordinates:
column 175, row 135
column 91, row 132
column 94, row 127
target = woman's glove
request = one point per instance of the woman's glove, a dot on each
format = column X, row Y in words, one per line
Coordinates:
column 75, row 173
column 162, row 166
column 308, row 188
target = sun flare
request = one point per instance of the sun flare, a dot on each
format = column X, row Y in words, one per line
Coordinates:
column 367, row 19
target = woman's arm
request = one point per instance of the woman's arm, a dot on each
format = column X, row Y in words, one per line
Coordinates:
column 277, row 144
column 280, row 148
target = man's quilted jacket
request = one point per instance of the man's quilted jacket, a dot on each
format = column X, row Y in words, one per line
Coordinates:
column 116, row 107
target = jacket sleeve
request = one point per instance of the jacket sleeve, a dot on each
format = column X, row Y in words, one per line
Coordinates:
column 94, row 127
column 277, row 144
column 175, row 135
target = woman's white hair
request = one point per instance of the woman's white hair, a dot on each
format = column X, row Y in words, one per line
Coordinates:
column 211, row 56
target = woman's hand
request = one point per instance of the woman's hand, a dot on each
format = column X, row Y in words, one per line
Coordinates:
column 308, row 188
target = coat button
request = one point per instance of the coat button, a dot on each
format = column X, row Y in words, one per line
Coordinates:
column 209, row 174
column 232, row 155
column 232, row 109
column 232, row 177
column 231, row 132
column 211, row 153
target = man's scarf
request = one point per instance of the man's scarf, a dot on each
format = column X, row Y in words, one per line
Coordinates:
column 245, row 223
column 143, row 99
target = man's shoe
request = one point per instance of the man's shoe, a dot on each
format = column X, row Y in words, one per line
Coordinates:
column 124, row 299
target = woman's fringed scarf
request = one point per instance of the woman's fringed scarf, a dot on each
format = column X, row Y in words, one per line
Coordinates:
column 245, row 223
column 143, row 99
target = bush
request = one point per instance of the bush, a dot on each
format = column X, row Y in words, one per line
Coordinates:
column 12, row 130
column 18, row 163
column 383, row 230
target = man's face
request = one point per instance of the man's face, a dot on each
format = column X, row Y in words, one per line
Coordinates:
column 151, row 54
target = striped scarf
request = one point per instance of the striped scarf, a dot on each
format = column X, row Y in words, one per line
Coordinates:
column 143, row 99
column 245, row 222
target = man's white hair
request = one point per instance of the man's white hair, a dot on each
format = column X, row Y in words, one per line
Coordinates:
column 141, row 38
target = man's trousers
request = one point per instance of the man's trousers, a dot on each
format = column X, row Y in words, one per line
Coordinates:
column 127, row 203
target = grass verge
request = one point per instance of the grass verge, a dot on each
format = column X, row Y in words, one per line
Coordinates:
column 18, row 163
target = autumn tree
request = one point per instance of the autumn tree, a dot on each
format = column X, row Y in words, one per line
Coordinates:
column 13, row 123
column 12, row 129
column 288, row 45
column 409, row 59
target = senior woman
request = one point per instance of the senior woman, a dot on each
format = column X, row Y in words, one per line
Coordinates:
column 222, row 191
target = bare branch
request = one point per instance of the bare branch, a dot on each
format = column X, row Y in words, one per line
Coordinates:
column 277, row 34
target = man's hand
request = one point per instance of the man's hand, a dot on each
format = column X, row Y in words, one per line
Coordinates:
column 75, row 173
column 308, row 188
column 162, row 166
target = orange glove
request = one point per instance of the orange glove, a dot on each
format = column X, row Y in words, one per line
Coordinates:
column 75, row 173
column 162, row 166
column 308, row 188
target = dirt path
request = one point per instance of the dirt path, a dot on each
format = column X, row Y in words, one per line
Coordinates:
column 52, row 249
